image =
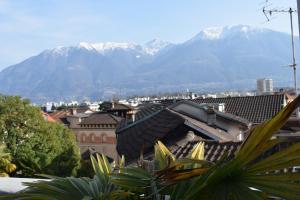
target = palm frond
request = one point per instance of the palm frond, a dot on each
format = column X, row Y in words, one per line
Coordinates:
column 99, row 187
column 162, row 155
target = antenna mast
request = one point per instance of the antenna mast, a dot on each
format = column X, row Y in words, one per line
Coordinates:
column 268, row 13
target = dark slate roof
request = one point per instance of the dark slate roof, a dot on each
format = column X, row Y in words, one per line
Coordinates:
column 169, row 102
column 292, row 125
column 213, row 150
column 80, row 109
column 207, row 108
column 144, row 111
column 101, row 118
column 136, row 137
column 256, row 109
column 160, row 124
column 147, row 109
column 118, row 106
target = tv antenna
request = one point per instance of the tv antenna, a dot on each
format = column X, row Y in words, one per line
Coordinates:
column 268, row 14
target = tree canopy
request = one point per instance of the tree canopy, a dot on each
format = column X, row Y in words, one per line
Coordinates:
column 36, row 146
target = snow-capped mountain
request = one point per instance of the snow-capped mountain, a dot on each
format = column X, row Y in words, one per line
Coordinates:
column 230, row 57
column 151, row 47
column 216, row 33
column 155, row 45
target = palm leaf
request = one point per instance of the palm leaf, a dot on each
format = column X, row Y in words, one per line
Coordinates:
column 162, row 156
column 99, row 187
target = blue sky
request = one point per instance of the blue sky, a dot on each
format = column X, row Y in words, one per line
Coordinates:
column 28, row 27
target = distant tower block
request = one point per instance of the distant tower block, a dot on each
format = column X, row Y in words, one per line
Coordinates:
column 264, row 86
column 269, row 85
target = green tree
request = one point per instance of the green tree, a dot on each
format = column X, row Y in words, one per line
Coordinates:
column 62, row 107
column 6, row 167
column 105, row 106
column 53, row 107
column 36, row 146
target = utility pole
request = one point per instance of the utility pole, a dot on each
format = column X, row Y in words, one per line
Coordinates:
column 268, row 13
column 298, row 9
column 293, row 65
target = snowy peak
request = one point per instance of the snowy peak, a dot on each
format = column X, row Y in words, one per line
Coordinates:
column 106, row 46
column 212, row 33
column 150, row 48
column 215, row 33
column 155, row 45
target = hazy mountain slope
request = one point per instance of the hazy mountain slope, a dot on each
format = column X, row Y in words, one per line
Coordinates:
column 233, row 60
column 215, row 59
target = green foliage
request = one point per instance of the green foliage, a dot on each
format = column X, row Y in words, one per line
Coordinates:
column 99, row 187
column 53, row 108
column 62, row 107
column 36, row 146
column 6, row 167
column 105, row 106
column 162, row 155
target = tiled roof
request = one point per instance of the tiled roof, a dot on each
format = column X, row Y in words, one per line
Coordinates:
column 60, row 116
column 47, row 117
column 212, row 132
column 143, row 135
column 256, row 109
column 162, row 125
column 293, row 125
column 144, row 111
column 83, row 109
column 209, row 109
column 147, row 109
column 213, row 150
column 101, row 118
column 118, row 106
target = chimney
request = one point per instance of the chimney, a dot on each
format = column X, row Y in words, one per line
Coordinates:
column 211, row 116
column 113, row 104
column 73, row 111
column 133, row 115
column 241, row 136
column 221, row 107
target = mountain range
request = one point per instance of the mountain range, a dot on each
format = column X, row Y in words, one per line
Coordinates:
column 220, row 58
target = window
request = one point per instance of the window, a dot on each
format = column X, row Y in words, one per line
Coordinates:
column 104, row 138
column 83, row 138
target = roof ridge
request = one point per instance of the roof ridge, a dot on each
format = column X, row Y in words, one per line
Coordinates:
column 263, row 95
column 138, row 121
column 114, row 117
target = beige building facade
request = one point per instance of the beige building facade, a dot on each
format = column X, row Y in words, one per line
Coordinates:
column 96, row 132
